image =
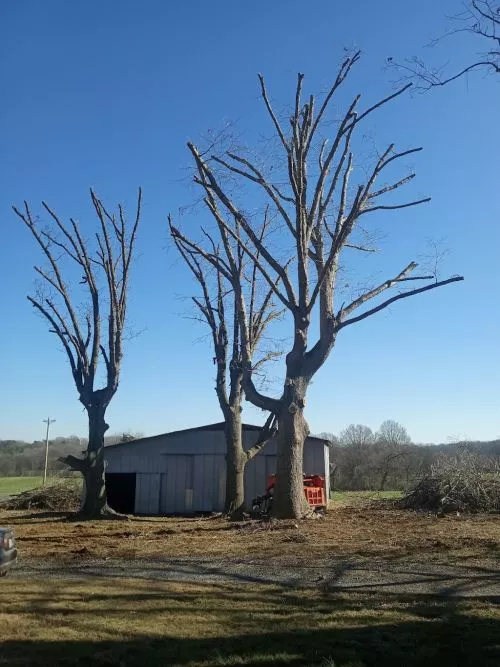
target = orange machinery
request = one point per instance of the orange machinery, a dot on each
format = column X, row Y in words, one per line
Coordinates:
column 314, row 489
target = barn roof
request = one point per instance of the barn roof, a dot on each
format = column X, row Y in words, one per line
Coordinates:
column 218, row 426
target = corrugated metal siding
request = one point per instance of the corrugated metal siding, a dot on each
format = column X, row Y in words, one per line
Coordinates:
column 147, row 493
column 186, row 472
column 192, row 483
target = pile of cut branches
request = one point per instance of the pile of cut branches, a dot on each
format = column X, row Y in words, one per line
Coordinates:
column 62, row 497
column 465, row 482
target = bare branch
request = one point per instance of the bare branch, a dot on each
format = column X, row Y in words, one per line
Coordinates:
column 272, row 114
column 267, row 432
column 403, row 295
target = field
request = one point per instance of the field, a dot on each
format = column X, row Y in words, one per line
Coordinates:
column 11, row 485
column 367, row 585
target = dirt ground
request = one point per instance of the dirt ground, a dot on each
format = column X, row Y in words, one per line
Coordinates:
column 365, row 530
column 366, row 585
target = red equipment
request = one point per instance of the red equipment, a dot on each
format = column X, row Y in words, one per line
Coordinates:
column 314, row 489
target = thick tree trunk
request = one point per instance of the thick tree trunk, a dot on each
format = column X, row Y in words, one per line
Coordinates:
column 235, row 466
column 94, row 503
column 289, row 500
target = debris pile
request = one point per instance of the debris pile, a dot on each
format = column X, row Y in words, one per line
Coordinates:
column 60, row 497
column 465, row 483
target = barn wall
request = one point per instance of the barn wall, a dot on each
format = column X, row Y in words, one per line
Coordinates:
column 147, row 493
column 185, row 472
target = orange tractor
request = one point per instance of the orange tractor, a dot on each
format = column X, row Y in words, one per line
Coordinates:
column 314, row 491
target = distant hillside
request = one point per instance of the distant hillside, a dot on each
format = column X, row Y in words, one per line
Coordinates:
column 22, row 458
column 486, row 448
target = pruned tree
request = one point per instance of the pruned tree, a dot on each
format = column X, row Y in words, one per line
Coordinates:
column 392, row 441
column 309, row 189
column 218, row 308
column 478, row 18
column 92, row 335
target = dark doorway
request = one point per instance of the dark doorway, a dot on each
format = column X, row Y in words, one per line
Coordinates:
column 120, row 491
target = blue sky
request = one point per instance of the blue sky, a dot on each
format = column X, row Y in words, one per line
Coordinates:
column 107, row 94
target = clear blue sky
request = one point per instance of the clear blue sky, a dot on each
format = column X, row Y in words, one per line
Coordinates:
column 106, row 94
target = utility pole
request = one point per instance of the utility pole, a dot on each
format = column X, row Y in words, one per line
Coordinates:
column 47, row 421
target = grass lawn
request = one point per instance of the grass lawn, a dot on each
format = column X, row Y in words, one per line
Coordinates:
column 11, row 485
column 127, row 623
column 354, row 496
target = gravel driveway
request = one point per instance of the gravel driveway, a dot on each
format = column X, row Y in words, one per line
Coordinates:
column 341, row 575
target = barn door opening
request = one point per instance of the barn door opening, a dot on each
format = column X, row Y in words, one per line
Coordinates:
column 120, row 491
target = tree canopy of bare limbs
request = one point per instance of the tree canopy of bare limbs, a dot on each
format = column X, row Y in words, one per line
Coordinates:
column 392, row 443
column 219, row 309
column 478, row 18
column 91, row 334
column 308, row 188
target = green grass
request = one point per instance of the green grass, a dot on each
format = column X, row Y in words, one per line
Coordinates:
column 9, row 486
column 124, row 622
column 353, row 496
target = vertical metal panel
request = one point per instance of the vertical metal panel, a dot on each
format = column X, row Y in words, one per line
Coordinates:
column 147, row 494
column 199, row 485
column 220, row 472
column 177, row 484
column 209, row 477
column 326, row 458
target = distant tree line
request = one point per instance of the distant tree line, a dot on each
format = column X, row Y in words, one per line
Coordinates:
column 363, row 460
column 19, row 458
column 360, row 459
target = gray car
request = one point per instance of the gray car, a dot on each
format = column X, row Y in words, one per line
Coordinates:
column 8, row 551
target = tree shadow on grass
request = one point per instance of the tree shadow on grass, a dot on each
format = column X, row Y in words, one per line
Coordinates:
column 447, row 643
column 256, row 626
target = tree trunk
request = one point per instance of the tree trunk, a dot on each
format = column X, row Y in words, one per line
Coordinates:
column 235, row 466
column 289, row 501
column 94, row 503
column 384, row 479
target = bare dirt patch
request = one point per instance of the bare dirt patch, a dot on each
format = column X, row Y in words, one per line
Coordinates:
column 366, row 530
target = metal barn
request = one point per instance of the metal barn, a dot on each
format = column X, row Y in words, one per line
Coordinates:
column 184, row 471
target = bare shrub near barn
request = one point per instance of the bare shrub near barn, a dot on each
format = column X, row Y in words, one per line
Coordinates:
column 466, row 482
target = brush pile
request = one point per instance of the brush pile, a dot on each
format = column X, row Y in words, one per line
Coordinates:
column 465, row 483
column 60, row 497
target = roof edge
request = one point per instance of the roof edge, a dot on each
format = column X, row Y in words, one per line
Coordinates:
column 218, row 426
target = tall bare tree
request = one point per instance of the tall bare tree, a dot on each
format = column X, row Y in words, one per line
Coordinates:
column 92, row 334
column 309, row 188
column 219, row 309
column 392, row 442
column 478, row 18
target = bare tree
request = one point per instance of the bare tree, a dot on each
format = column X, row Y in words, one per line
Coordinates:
column 392, row 441
column 479, row 18
column 219, row 309
column 355, row 456
column 92, row 335
column 309, row 189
